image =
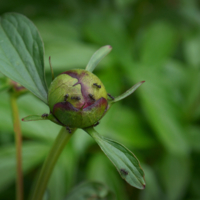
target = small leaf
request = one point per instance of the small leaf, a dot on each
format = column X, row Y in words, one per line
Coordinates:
column 91, row 190
column 124, row 160
column 41, row 117
column 34, row 118
column 128, row 92
column 97, row 57
column 22, row 53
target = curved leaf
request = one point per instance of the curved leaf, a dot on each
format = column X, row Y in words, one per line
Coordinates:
column 90, row 190
column 97, row 57
column 128, row 92
column 34, row 118
column 124, row 160
column 22, row 53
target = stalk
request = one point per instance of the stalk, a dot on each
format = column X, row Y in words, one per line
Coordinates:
column 47, row 168
column 18, row 144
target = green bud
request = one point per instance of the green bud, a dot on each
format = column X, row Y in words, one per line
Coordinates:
column 77, row 98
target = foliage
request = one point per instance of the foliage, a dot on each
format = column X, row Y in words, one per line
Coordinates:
column 155, row 41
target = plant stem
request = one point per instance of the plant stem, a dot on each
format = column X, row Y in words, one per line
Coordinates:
column 47, row 168
column 18, row 143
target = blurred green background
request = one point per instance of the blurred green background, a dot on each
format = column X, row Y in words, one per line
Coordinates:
column 153, row 40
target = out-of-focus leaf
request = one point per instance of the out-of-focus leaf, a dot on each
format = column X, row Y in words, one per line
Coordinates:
column 63, row 43
column 194, row 137
column 66, row 55
column 4, row 83
column 22, row 53
column 175, row 174
column 192, row 95
column 46, row 195
column 128, row 92
column 32, row 154
column 192, row 49
column 158, row 43
column 191, row 14
column 109, row 29
column 124, row 160
column 62, row 30
column 157, row 101
column 99, row 169
column 97, row 57
column 91, row 190
column 124, row 3
column 153, row 189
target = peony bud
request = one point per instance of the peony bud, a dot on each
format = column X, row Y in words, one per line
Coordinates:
column 77, row 98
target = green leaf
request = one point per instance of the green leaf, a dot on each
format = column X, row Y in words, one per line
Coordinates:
column 175, row 175
column 158, row 101
column 124, row 160
column 106, row 175
column 91, row 190
column 128, row 92
column 41, row 117
column 153, row 191
column 34, row 118
column 22, row 53
column 97, row 57
column 191, row 50
column 159, row 42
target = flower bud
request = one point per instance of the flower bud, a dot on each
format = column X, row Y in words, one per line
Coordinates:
column 77, row 98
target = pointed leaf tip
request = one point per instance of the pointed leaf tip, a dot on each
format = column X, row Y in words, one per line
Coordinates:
column 127, row 93
column 97, row 57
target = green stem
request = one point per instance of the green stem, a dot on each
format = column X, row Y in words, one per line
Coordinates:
column 18, row 143
column 47, row 168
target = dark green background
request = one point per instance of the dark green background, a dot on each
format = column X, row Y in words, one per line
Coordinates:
column 153, row 40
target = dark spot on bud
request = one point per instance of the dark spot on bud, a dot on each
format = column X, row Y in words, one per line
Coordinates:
column 76, row 98
column 45, row 115
column 95, row 84
column 65, row 97
column 96, row 124
column 91, row 97
column 124, row 172
column 68, row 129
column 111, row 96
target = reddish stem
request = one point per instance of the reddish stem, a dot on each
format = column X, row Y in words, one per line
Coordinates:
column 18, row 143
